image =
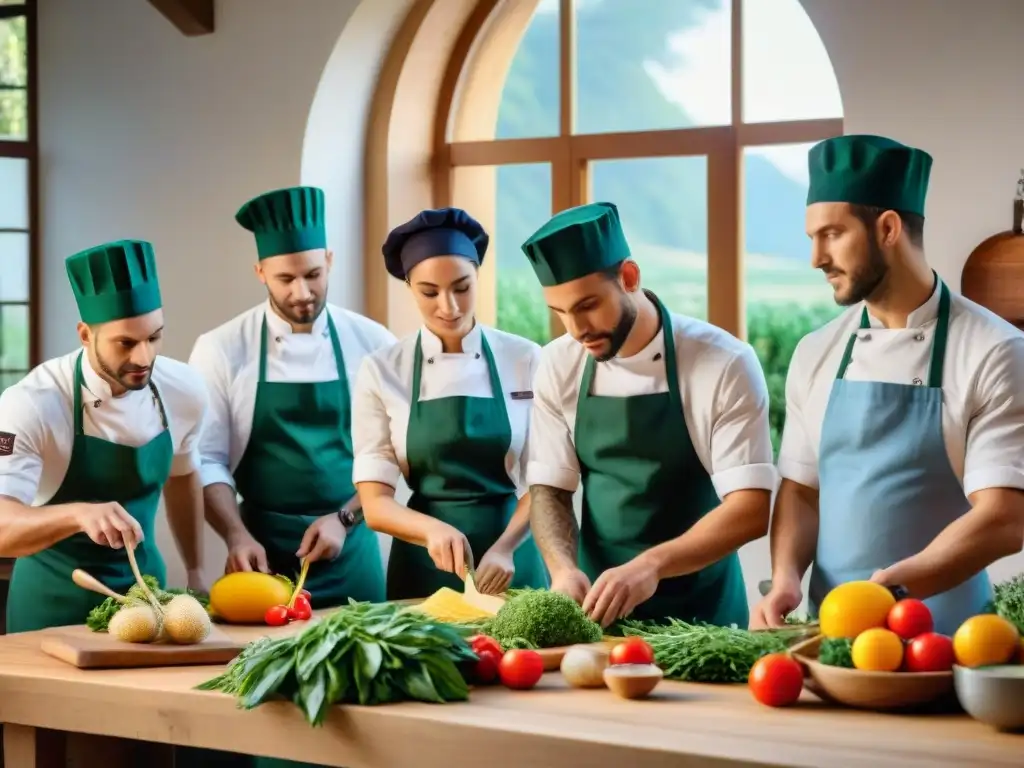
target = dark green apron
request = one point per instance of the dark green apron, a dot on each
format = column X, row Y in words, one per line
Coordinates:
column 455, row 449
column 41, row 592
column 643, row 484
column 298, row 467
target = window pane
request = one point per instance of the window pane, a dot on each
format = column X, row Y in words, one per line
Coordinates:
column 663, row 205
column 511, row 201
column 13, row 266
column 644, row 65
column 13, row 337
column 787, row 74
column 530, row 96
column 13, row 193
column 13, row 72
column 786, row 297
column 10, row 378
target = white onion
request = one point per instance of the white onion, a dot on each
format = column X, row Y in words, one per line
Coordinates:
column 583, row 667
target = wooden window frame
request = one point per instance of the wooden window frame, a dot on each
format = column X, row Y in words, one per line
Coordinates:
column 468, row 106
column 28, row 150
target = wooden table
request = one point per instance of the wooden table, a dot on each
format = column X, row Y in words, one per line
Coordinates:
column 681, row 725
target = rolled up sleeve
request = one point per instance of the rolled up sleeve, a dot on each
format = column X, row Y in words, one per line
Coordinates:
column 21, row 460
column 210, row 446
column 375, row 460
column 552, row 454
column 741, row 444
column 995, row 435
column 798, row 457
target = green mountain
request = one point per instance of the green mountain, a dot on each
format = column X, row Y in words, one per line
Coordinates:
column 663, row 201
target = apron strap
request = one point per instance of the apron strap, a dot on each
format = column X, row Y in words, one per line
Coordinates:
column 492, row 370
column 938, row 358
column 339, row 362
column 417, row 364
column 77, row 397
column 671, row 371
column 263, row 351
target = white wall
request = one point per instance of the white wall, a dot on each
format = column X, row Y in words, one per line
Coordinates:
column 146, row 133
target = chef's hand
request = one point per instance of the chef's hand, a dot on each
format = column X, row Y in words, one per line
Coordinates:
column 107, row 524
column 495, row 572
column 245, row 554
column 783, row 598
column 323, row 539
column 572, row 582
column 619, row 590
column 448, row 548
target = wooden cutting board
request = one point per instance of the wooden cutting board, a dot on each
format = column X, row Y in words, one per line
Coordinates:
column 85, row 649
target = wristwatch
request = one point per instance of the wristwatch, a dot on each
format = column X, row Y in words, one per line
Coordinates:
column 349, row 519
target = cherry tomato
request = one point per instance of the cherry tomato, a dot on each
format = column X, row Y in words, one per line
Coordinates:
column 305, row 594
column 776, row 680
column 520, row 668
column 632, row 651
column 300, row 609
column 484, row 643
column 276, row 616
column 486, row 670
column 909, row 618
column 929, row 652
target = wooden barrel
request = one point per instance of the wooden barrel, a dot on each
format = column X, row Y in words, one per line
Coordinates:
column 994, row 273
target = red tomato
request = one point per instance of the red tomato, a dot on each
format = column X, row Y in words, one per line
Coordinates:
column 930, row 652
column 276, row 616
column 776, row 680
column 300, row 609
column 486, row 670
column 520, row 668
column 910, row 618
column 632, row 651
column 484, row 643
column 305, row 594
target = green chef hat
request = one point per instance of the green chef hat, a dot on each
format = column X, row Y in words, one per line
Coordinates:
column 577, row 242
column 114, row 281
column 285, row 221
column 869, row 170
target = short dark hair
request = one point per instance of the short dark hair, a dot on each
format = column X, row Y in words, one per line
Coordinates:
column 913, row 223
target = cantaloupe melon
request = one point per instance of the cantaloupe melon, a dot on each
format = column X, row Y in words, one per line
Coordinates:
column 186, row 621
column 135, row 624
column 244, row 597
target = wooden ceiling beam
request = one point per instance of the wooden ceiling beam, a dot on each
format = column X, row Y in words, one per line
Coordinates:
column 191, row 17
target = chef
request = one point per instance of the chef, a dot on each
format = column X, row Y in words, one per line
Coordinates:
column 664, row 417
column 901, row 455
column 448, row 409
column 278, row 433
column 90, row 441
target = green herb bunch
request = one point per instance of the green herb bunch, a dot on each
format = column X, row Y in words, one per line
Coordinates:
column 836, row 652
column 539, row 618
column 1008, row 601
column 362, row 654
column 703, row 652
column 99, row 617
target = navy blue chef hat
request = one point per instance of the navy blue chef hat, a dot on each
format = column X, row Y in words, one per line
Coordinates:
column 438, row 232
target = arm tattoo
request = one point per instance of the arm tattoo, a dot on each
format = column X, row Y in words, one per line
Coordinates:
column 553, row 524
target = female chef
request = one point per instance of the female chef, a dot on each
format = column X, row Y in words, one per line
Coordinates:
column 448, row 409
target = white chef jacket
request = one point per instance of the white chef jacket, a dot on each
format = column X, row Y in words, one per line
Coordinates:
column 228, row 357
column 982, row 387
column 724, row 393
column 384, row 392
column 39, row 412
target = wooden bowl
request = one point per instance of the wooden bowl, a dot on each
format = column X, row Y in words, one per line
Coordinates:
column 869, row 690
column 632, row 681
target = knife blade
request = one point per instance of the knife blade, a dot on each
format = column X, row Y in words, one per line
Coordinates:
column 488, row 603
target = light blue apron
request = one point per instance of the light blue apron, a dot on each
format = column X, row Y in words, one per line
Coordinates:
column 887, row 488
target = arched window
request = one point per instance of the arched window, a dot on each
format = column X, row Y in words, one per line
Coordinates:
column 19, row 150
column 693, row 116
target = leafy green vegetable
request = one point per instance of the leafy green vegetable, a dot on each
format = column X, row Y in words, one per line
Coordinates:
column 361, row 654
column 836, row 652
column 1008, row 601
column 99, row 617
column 706, row 653
column 539, row 618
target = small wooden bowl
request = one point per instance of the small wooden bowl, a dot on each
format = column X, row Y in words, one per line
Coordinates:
column 632, row 681
column 869, row 690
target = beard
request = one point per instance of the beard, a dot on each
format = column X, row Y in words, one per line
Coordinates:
column 618, row 335
column 300, row 314
column 126, row 375
column 864, row 280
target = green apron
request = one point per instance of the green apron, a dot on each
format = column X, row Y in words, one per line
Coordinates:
column 455, row 449
column 643, row 484
column 41, row 593
column 298, row 467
